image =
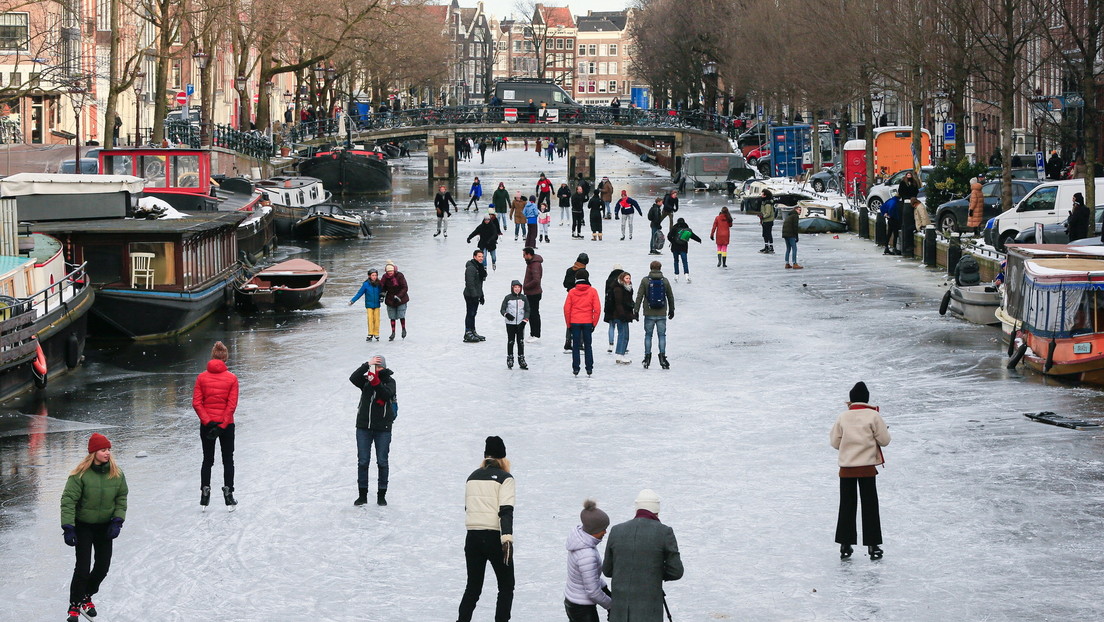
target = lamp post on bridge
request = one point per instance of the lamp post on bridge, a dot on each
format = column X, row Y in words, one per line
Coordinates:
column 77, row 93
column 202, row 59
column 139, row 86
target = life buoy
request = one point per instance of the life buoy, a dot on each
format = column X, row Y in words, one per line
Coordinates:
column 39, row 367
column 1017, row 356
column 943, row 304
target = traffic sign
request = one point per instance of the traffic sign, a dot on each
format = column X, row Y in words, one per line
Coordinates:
column 189, row 88
column 949, row 132
column 181, row 98
column 1040, row 165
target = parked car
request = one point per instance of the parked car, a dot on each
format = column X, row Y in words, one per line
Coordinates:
column 1047, row 203
column 952, row 215
column 88, row 166
column 879, row 193
column 1029, row 174
column 1058, row 233
column 828, row 179
column 756, row 153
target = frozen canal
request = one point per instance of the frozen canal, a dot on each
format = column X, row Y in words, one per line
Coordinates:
column 986, row 515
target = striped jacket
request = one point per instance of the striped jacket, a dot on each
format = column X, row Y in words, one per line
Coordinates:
column 489, row 502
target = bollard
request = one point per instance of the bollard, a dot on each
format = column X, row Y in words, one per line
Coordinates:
column 954, row 253
column 881, row 236
column 864, row 223
column 929, row 246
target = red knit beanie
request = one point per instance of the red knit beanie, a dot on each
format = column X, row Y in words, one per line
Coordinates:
column 97, row 442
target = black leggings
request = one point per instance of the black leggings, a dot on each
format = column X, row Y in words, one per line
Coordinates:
column 850, row 489
column 226, row 443
column 576, row 224
column 515, row 332
column 480, row 547
column 86, row 582
column 581, row 613
column 768, row 232
column 534, row 315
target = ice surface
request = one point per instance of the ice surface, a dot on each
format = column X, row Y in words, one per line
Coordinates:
column 986, row 515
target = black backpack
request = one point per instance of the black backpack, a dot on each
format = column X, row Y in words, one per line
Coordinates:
column 657, row 293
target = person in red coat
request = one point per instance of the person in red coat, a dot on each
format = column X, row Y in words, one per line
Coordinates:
column 582, row 310
column 215, row 398
column 719, row 233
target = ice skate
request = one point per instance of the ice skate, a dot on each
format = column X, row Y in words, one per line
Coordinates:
column 392, row 337
column 228, row 496
column 647, row 361
column 610, row 349
column 718, row 260
column 875, row 551
column 521, row 362
column 478, row 337
column 509, row 362
column 404, row 332
column 381, row 497
column 770, row 249
column 74, row 612
column 469, row 337
column 846, row 551
column 676, row 278
column 363, row 498
column 764, row 249
column 205, row 495
column 663, row 362
column 622, row 238
column 87, row 607
column 688, row 277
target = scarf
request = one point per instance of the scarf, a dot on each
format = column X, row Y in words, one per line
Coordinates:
column 646, row 514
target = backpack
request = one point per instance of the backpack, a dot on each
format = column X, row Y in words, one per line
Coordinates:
column 657, row 293
column 684, row 235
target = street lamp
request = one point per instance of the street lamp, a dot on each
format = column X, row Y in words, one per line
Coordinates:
column 239, row 84
column 877, row 99
column 709, row 71
column 77, row 93
column 139, row 86
column 202, row 59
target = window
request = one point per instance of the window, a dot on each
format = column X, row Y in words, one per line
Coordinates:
column 163, row 262
column 559, row 44
column 594, row 49
column 601, row 86
column 517, row 46
column 103, row 14
column 603, row 50
column 1041, row 201
column 571, row 44
column 582, row 68
column 186, row 170
column 592, row 86
column 174, row 75
column 592, row 68
column 613, row 86
column 613, row 68
column 582, row 50
column 613, row 49
column 14, row 32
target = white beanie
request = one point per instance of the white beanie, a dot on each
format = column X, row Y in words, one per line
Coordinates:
column 648, row 500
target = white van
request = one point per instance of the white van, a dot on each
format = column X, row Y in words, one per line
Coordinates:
column 1048, row 203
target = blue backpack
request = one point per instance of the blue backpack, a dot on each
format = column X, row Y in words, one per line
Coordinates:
column 657, row 293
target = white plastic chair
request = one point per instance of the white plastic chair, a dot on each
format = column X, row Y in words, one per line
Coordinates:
column 141, row 269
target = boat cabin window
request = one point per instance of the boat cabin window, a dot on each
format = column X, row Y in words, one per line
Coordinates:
column 163, row 263
column 314, row 192
column 105, row 262
column 186, row 171
column 302, row 200
column 119, row 165
column 1042, row 200
column 152, row 167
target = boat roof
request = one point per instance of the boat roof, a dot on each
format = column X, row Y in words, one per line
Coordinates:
column 288, row 182
column 293, row 266
column 1065, row 267
column 1030, row 251
column 24, row 184
column 9, row 263
column 194, row 222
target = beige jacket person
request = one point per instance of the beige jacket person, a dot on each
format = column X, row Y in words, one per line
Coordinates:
column 858, row 434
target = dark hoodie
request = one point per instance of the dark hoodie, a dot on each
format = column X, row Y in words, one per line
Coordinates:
column 488, row 233
column 580, row 264
column 534, row 270
column 679, row 245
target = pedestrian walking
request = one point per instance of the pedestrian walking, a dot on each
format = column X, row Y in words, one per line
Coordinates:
column 563, row 193
column 532, row 214
column 766, row 219
column 582, row 310
column 679, row 236
column 544, row 221
column 660, row 307
column 615, row 108
column 395, row 297
column 975, row 217
column 578, row 203
column 487, row 232
column 372, row 291
column 515, row 308
column 475, row 193
column 607, row 194
column 534, row 271
column 569, row 284
column 859, row 434
column 544, row 189
column 474, row 275
column 441, row 204
column 620, row 310
column 720, row 234
column 517, row 214
column 607, row 301
column 789, row 236
column 376, row 414
column 215, row 399
column 625, row 207
column 93, row 508
column 1078, row 222
column 501, row 200
column 489, row 518
column 586, row 590
column 670, row 206
column 655, row 222
column 596, row 216
column 641, row 554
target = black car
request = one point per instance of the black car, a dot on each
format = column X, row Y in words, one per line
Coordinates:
column 951, row 216
column 1058, row 233
column 828, row 179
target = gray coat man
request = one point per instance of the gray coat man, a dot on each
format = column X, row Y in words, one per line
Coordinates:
column 640, row 555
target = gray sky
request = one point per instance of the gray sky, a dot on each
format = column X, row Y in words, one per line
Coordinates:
column 500, row 8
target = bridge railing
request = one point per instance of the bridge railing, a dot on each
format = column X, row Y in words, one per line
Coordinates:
column 252, row 144
column 339, row 127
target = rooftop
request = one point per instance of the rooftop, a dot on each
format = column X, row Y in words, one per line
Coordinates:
column 194, row 223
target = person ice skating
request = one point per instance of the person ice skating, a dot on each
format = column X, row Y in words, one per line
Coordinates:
column 532, row 214
column 607, row 300
column 501, row 200
column 596, row 216
column 586, row 590
column 582, row 310
column 620, row 310
column 515, row 308
column 563, row 193
column 544, row 190
column 488, row 233
column 474, row 194
column 534, row 271
column 372, row 291
column 517, row 213
column 655, row 222
column 679, row 236
column 789, row 236
column 641, row 554
column 569, row 284
column 859, row 434
column 214, row 399
column 606, row 188
column 625, row 207
column 720, row 234
column 578, row 203
column 482, row 150
column 474, row 275
column 489, row 518
column 93, row 508
column 550, row 150
column 544, row 221
column 582, row 181
column 395, row 297
column 670, row 206
column 441, row 203
column 766, row 219
column 658, row 302
column 376, row 413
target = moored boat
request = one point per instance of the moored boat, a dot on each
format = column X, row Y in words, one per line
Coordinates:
column 329, row 222
column 286, row 286
column 974, row 303
column 349, row 171
column 291, row 197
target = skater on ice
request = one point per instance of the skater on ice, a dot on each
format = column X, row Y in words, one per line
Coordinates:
column 474, row 275
column 375, row 416
column 586, row 589
column 371, row 290
column 641, row 554
column 515, row 308
column 859, row 434
column 489, row 519
column 658, row 302
column 582, row 310
column 395, row 296
column 531, row 286
column 214, row 399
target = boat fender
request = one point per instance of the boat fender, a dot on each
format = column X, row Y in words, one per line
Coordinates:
column 1017, row 356
column 943, row 303
column 1050, row 355
column 1012, row 341
column 39, row 367
column 72, row 351
column 365, row 230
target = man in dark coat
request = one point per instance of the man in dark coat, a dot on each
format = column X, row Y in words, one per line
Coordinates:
column 488, row 233
column 474, row 275
column 569, row 284
column 375, row 414
column 1054, row 166
column 640, row 555
column 441, row 202
column 531, row 287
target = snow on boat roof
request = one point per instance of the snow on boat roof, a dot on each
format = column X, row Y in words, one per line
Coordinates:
column 1065, row 267
column 24, row 184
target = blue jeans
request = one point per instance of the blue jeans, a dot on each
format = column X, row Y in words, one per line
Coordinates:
column 580, row 337
column 501, row 219
column 791, row 245
column 685, row 267
column 519, row 228
column 622, row 336
column 491, row 252
column 660, row 324
column 365, row 439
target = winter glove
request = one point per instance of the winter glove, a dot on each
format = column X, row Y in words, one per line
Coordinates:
column 114, row 527
column 372, row 378
column 481, row 300
column 671, row 315
column 510, row 316
column 212, row 430
column 507, row 552
column 70, row 535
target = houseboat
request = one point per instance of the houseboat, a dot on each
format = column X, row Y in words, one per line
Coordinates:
column 291, row 197
column 1054, row 300
column 329, row 222
column 349, row 171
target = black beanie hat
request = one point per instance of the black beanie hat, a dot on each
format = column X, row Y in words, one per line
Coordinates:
column 583, row 258
column 582, row 276
column 859, row 393
column 495, row 448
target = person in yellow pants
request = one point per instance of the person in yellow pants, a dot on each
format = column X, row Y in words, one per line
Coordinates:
column 370, row 290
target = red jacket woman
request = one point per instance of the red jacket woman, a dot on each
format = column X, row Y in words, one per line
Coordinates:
column 721, row 225
column 215, row 398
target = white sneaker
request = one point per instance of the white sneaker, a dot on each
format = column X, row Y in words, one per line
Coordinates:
column 676, row 278
column 610, row 348
column 532, row 339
